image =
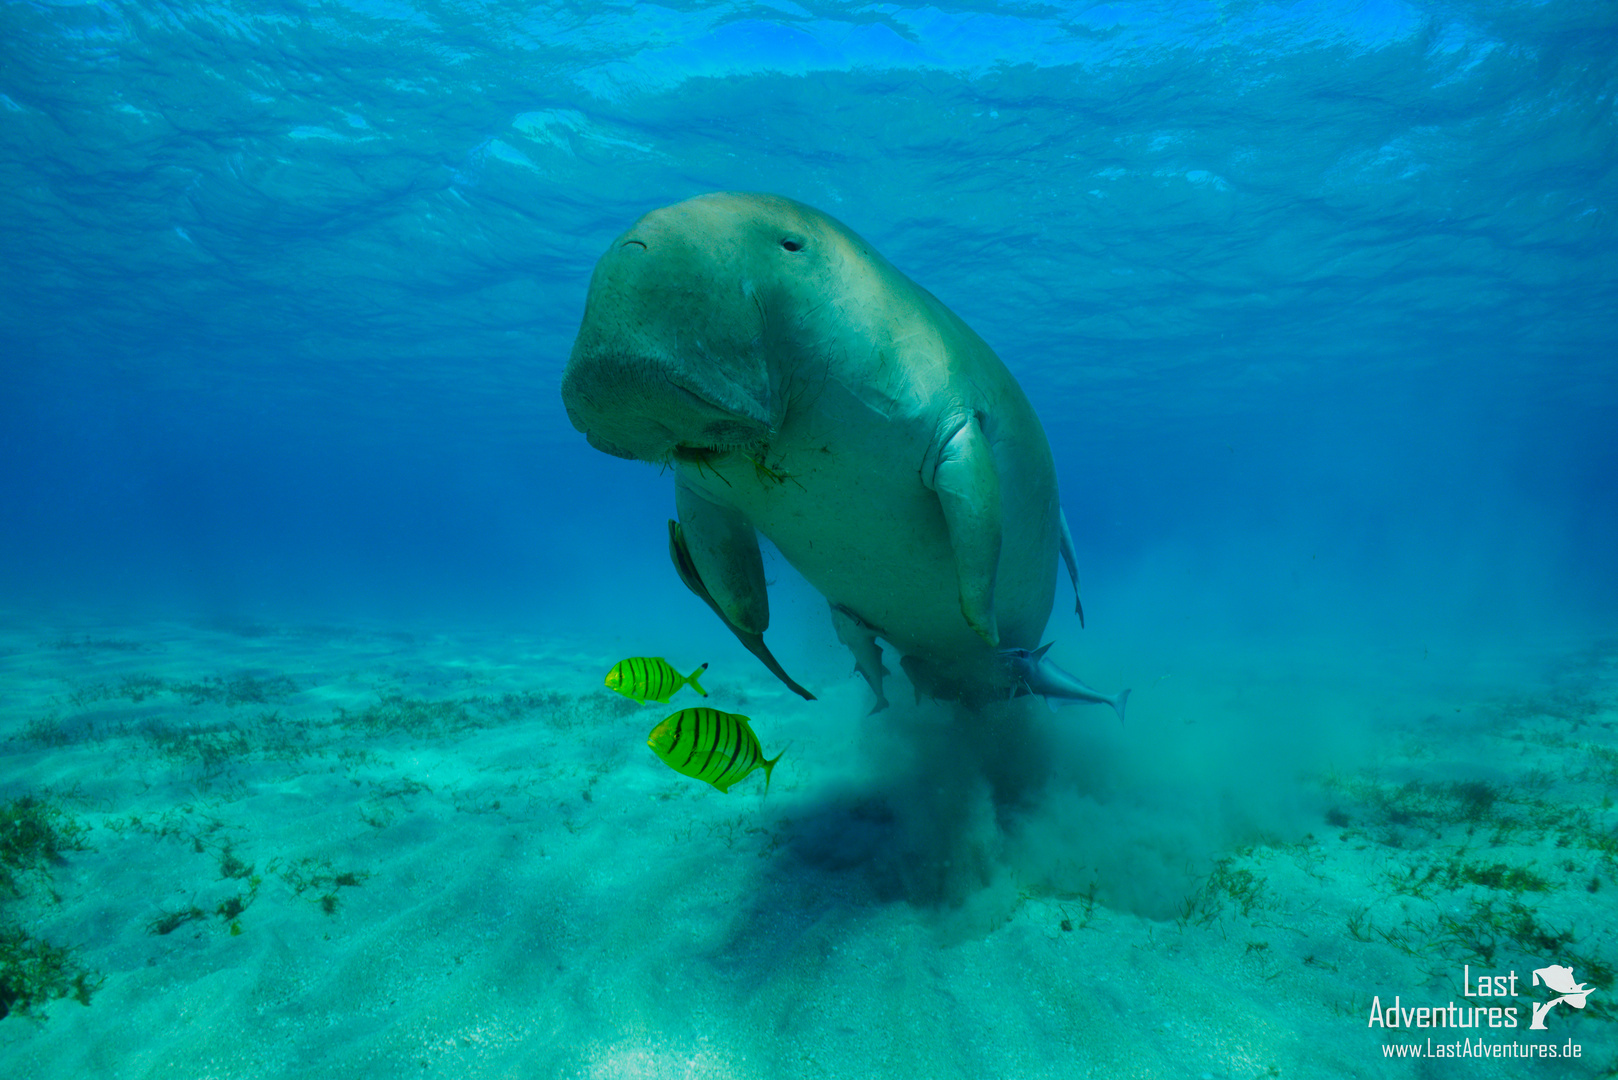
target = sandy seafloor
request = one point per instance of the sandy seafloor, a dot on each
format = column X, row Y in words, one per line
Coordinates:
column 456, row 857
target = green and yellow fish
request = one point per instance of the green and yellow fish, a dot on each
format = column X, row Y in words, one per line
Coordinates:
column 651, row 678
column 710, row 745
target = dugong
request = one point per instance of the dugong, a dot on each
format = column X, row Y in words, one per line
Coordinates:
column 802, row 387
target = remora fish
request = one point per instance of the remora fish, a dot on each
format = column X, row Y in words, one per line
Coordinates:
column 651, row 678
column 710, row 745
column 1033, row 674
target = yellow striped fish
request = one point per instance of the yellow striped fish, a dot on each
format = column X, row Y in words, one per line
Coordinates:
column 651, row 678
column 710, row 745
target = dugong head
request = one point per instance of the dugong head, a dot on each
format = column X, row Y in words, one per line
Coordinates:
column 678, row 352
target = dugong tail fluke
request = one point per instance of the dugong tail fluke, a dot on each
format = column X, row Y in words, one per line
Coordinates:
column 693, row 581
column 1032, row 673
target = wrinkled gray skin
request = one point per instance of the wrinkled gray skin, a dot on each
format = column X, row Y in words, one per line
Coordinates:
column 804, row 388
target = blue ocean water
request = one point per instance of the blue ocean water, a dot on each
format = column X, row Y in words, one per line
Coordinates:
column 1317, row 301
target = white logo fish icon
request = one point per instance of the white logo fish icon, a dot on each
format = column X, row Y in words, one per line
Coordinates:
column 1561, row 980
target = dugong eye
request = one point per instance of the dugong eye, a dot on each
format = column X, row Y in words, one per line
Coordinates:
column 792, row 245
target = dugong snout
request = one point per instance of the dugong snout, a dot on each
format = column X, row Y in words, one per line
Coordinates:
column 631, row 407
column 670, row 352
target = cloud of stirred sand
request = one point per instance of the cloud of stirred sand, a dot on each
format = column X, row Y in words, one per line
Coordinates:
column 988, row 803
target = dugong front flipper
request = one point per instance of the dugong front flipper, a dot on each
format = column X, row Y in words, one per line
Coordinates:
column 753, row 640
column 968, row 490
